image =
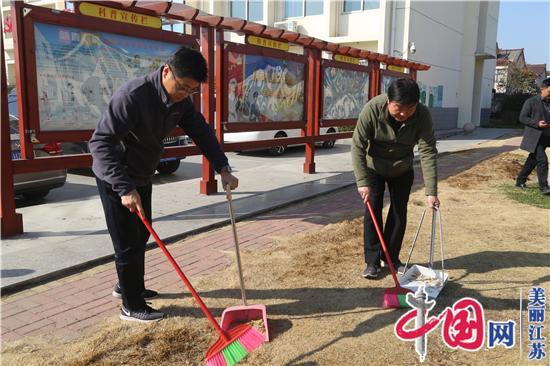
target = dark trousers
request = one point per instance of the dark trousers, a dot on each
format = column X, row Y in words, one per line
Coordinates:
column 539, row 160
column 396, row 222
column 129, row 237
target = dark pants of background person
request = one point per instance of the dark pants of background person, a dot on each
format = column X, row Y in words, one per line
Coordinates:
column 396, row 222
column 129, row 237
column 539, row 160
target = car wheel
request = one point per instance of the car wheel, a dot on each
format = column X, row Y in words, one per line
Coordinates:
column 278, row 150
column 35, row 195
column 330, row 143
column 168, row 167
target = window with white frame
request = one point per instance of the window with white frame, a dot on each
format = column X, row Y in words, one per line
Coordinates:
column 172, row 26
column 252, row 10
column 300, row 8
column 360, row 5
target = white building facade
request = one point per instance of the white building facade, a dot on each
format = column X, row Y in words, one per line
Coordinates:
column 5, row 12
column 457, row 39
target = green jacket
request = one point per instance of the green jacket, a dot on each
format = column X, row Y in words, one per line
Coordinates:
column 376, row 146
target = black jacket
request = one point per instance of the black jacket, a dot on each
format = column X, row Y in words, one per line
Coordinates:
column 531, row 113
column 126, row 145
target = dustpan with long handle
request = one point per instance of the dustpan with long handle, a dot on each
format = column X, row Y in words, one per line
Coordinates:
column 409, row 277
column 244, row 313
column 436, row 214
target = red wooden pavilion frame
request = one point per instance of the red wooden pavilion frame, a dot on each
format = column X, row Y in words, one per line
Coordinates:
column 207, row 30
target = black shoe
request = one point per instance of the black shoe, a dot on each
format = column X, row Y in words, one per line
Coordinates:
column 145, row 315
column 397, row 266
column 147, row 294
column 545, row 191
column 371, row 272
column 521, row 185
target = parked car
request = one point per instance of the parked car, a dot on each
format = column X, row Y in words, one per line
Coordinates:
column 35, row 185
column 268, row 135
column 165, row 166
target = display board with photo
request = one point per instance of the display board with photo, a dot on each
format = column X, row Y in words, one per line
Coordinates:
column 345, row 93
column 431, row 96
column 78, row 71
column 264, row 89
column 386, row 81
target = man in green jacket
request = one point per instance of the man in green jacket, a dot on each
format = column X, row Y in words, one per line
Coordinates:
column 388, row 128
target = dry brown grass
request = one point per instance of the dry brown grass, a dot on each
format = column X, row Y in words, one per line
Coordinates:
column 322, row 312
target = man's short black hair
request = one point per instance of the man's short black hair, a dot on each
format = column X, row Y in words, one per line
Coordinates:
column 187, row 62
column 545, row 83
column 404, row 91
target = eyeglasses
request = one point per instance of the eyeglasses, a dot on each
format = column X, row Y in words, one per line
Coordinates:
column 182, row 87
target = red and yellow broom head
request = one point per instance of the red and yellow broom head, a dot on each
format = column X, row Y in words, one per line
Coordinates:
column 238, row 343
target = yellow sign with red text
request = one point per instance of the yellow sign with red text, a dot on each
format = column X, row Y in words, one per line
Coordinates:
column 118, row 15
column 396, row 68
column 269, row 43
column 347, row 59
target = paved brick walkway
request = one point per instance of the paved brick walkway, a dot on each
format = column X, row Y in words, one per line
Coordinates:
column 68, row 306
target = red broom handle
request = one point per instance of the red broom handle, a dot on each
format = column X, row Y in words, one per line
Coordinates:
column 184, row 279
column 383, row 243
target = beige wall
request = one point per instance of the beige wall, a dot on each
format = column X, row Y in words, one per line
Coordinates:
column 8, row 39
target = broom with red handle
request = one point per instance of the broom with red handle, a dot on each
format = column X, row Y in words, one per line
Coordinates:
column 393, row 297
column 231, row 346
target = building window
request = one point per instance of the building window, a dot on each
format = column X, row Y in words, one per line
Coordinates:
column 313, row 7
column 252, row 10
column 294, row 8
column 360, row 5
column 371, row 4
column 299, row 8
column 175, row 27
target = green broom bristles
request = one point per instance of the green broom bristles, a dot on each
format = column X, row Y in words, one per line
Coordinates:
column 243, row 339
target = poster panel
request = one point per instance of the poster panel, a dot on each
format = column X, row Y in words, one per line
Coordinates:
column 345, row 93
column 431, row 96
column 264, row 89
column 78, row 70
column 386, row 81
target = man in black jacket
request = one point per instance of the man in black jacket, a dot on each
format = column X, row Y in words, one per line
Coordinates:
column 535, row 115
column 126, row 147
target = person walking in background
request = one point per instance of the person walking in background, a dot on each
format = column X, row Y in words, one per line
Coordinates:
column 535, row 115
column 126, row 147
column 388, row 128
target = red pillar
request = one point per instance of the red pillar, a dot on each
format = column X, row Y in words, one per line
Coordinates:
column 312, row 106
column 208, row 183
column 11, row 222
column 375, row 79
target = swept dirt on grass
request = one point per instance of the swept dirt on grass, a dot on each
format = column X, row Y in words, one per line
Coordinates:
column 321, row 312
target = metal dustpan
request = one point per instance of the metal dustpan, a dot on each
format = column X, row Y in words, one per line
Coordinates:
column 244, row 313
column 433, row 280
